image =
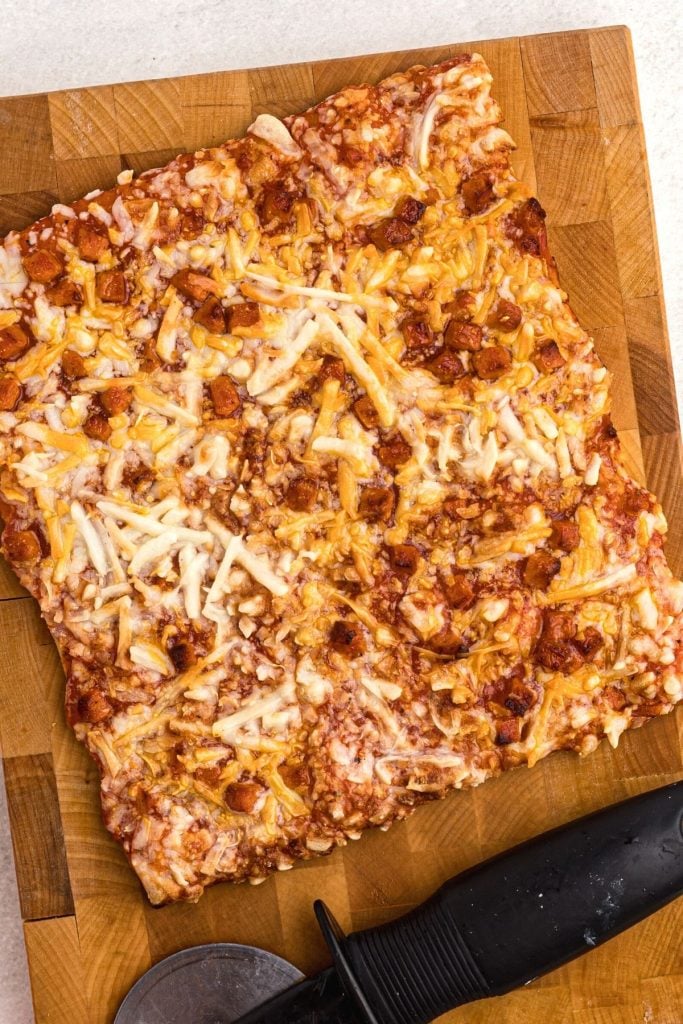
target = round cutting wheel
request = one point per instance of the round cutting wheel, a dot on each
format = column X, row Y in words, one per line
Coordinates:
column 213, row 984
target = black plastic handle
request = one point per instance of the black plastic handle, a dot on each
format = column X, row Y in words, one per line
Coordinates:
column 504, row 922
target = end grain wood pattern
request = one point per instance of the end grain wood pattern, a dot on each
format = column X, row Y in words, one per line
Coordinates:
column 570, row 102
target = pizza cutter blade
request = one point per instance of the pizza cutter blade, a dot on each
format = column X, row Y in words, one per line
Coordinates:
column 212, row 984
column 487, row 931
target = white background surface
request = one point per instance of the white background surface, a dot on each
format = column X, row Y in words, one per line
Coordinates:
column 57, row 44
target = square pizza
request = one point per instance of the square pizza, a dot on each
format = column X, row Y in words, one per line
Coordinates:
column 311, row 469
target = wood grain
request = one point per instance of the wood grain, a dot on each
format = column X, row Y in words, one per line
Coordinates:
column 27, row 158
column 83, row 123
column 29, row 674
column 570, row 101
column 558, row 73
column 77, row 177
column 56, row 971
column 40, row 856
column 214, row 107
column 148, row 115
column 19, row 210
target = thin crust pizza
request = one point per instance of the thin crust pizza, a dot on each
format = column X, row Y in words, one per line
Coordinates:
column 311, row 469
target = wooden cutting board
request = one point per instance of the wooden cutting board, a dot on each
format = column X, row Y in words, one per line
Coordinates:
column 570, row 101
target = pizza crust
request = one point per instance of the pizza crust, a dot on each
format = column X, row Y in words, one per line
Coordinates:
column 310, row 467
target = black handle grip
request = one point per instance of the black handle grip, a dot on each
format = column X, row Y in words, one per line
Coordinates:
column 504, row 922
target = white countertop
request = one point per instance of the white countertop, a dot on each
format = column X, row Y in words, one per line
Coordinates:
column 70, row 43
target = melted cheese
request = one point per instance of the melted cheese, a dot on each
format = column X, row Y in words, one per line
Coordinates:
column 363, row 373
column 270, row 372
column 90, row 537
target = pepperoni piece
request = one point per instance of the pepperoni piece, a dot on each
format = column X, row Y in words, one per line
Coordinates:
column 463, row 336
column 404, row 559
column 416, row 334
column 301, row 494
column 182, row 654
column 505, row 316
column 366, row 412
column 394, row 452
column 97, row 427
column 376, row 503
column 224, row 395
column 558, row 626
column 14, row 341
column 511, row 692
column 508, row 730
column 526, row 226
column 43, row 266
column 243, row 796
column 208, row 776
column 477, row 192
column 590, row 643
column 116, row 400
column 22, row 545
column 519, row 699
column 547, row 356
column 409, row 209
column 73, row 365
column 193, row 285
column 10, row 393
column 347, row 638
column 65, row 293
column 559, row 649
column 531, row 216
column 243, row 314
column 211, row 315
column 447, row 367
column 149, row 360
column 565, row 534
column 111, row 286
column 389, row 233
column 93, row 707
column 296, row 776
column 540, row 568
column 332, row 369
column 462, row 306
column 92, row 244
column 459, row 591
column 492, row 363
column 276, row 203
column 557, row 655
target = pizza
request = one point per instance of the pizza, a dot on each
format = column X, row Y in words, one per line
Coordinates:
column 311, row 469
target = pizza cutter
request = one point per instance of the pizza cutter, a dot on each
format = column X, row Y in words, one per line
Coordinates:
column 483, row 933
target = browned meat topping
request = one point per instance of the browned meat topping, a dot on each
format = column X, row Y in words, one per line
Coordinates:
column 302, row 494
column 492, row 363
column 211, row 315
column 347, row 638
column 463, row 336
column 225, row 397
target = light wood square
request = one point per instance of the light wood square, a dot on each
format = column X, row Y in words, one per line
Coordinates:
column 84, row 122
column 148, row 116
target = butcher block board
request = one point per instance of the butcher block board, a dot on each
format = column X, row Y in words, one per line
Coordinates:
column 570, row 101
